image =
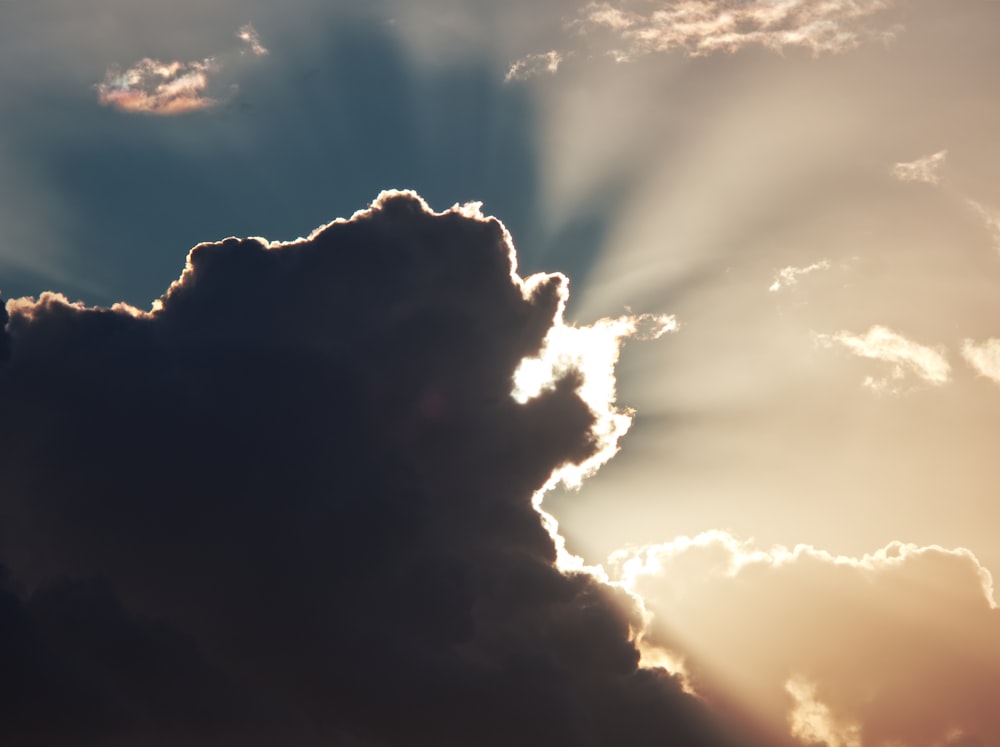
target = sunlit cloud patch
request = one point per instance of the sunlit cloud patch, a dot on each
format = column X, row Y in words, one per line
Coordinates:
column 926, row 170
column 698, row 28
column 702, row 27
column 906, row 357
column 151, row 86
column 533, row 65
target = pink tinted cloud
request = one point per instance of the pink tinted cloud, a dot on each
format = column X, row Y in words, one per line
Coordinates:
column 170, row 88
column 154, row 87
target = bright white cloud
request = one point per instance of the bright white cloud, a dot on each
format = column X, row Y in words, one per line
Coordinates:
column 533, row 65
column 881, row 343
column 898, row 646
column 984, row 357
column 789, row 276
column 926, row 170
column 169, row 88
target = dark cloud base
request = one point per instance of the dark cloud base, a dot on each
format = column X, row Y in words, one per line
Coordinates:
column 292, row 506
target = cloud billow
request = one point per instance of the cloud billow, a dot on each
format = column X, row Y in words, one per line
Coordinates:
column 292, row 504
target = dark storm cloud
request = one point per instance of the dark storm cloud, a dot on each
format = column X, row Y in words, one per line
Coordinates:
column 293, row 503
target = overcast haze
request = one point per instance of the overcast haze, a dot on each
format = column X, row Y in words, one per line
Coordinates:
column 762, row 237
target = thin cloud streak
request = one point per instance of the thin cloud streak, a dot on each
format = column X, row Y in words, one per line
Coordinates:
column 883, row 344
column 926, row 170
column 790, row 275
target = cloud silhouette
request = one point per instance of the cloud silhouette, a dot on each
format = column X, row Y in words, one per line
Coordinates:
column 293, row 504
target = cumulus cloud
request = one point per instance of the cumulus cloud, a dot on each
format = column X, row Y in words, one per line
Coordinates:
column 926, row 170
column 790, row 275
column 170, row 88
column 883, row 344
column 533, row 65
column 899, row 646
column 295, row 503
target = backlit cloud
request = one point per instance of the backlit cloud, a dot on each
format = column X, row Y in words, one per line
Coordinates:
column 899, row 646
column 907, row 357
column 927, row 170
column 295, row 503
column 170, row 88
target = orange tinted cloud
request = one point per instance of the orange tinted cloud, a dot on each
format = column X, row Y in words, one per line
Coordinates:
column 898, row 647
column 169, row 88
column 154, row 87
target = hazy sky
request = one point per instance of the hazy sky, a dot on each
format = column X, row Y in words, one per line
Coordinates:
column 800, row 197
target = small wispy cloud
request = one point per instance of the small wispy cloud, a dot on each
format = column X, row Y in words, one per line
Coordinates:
column 533, row 65
column 247, row 33
column 170, row 88
column 883, row 344
column 990, row 218
column 790, row 275
column 984, row 357
column 926, row 170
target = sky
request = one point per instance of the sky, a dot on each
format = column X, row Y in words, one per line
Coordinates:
column 465, row 373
